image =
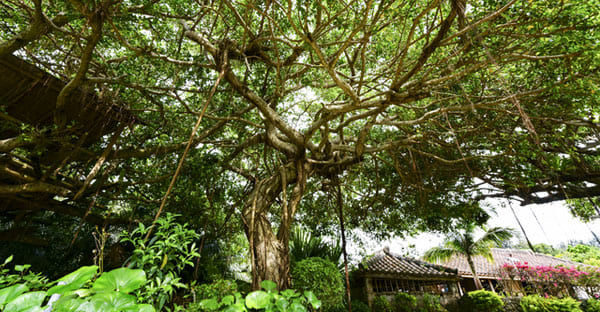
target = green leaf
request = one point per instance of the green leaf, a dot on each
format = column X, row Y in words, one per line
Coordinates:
column 68, row 303
column 74, row 280
column 282, row 304
column 122, row 279
column 289, row 293
column 257, row 300
column 209, row 304
column 228, row 300
column 9, row 259
column 297, row 307
column 235, row 308
column 312, row 299
column 9, row 293
column 268, row 285
column 26, row 302
column 21, row 268
column 140, row 308
column 112, row 301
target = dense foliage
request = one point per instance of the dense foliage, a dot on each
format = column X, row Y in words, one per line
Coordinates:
column 591, row 305
column 404, row 302
column 485, row 301
column 321, row 277
column 536, row 303
column 304, row 245
column 163, row 256
column 548, row 280
column 381, row 303
column 584, row 254
column 417, row 110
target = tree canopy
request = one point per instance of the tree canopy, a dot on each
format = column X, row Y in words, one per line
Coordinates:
column 417, row 108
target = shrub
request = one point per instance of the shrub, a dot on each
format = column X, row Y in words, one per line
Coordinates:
column 321, row 277
column 485, row 301
column 381, row 304
column 430, row 303
column 170, row 249
column 268, row 299
column 592, row 305
column 404, row 302
column 359, row 306
column 536, row 303
column 217, row 289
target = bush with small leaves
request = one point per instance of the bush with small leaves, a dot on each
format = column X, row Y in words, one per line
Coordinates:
column 485, row 301
column 404, row 302
column 591, row 305
column 217, row 289
column 321, row 277
column 430, row 303
column 381, row 304
column 359, row 306
column 536, row 303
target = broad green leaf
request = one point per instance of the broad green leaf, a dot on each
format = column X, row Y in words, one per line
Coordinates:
column 122, row 279
column 268, row 285
column 74, row 280
column 235, row 308
column 227, row 300
column 68, row 303
column 297, row 307
column 26, row 302
column 9, row 293
column 257, row 299
column 140, row 308
column 109, row 301
column 312, row 299
column 209, row 304
column 282, row 304
column 289, row 293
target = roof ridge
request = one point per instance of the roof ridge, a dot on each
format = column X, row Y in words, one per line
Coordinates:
column 421, row 262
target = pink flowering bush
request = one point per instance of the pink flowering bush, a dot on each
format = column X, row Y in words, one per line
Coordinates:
column 548, row 281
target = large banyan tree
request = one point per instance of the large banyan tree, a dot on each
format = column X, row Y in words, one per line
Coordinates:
column 418, row 109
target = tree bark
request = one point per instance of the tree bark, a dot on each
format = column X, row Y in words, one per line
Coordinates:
column 478, row 284
column 269, row 251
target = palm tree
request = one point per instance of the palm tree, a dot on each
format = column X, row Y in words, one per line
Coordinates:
column 464, row 243
column 304, row 245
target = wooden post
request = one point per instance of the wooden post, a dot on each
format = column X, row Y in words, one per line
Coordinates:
column 369, row 288
column 460, row 291
column 491, row 285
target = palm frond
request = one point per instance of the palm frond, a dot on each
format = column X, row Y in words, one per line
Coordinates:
column 483, row 249
column 304, row 245
column 438, row 254
column 496, row 236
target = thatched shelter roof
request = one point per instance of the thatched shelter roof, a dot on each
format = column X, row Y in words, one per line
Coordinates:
column 28, row 94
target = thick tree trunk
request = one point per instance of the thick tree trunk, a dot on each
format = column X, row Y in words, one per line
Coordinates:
column 478, row 284
column 269, row 251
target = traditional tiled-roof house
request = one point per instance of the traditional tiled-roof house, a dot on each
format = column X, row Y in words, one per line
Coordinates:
column 387, row 273
column 490, row 272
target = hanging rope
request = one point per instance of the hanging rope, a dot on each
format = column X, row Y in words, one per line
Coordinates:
column 340, row 206
column 521, row 226
column 187, row 148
